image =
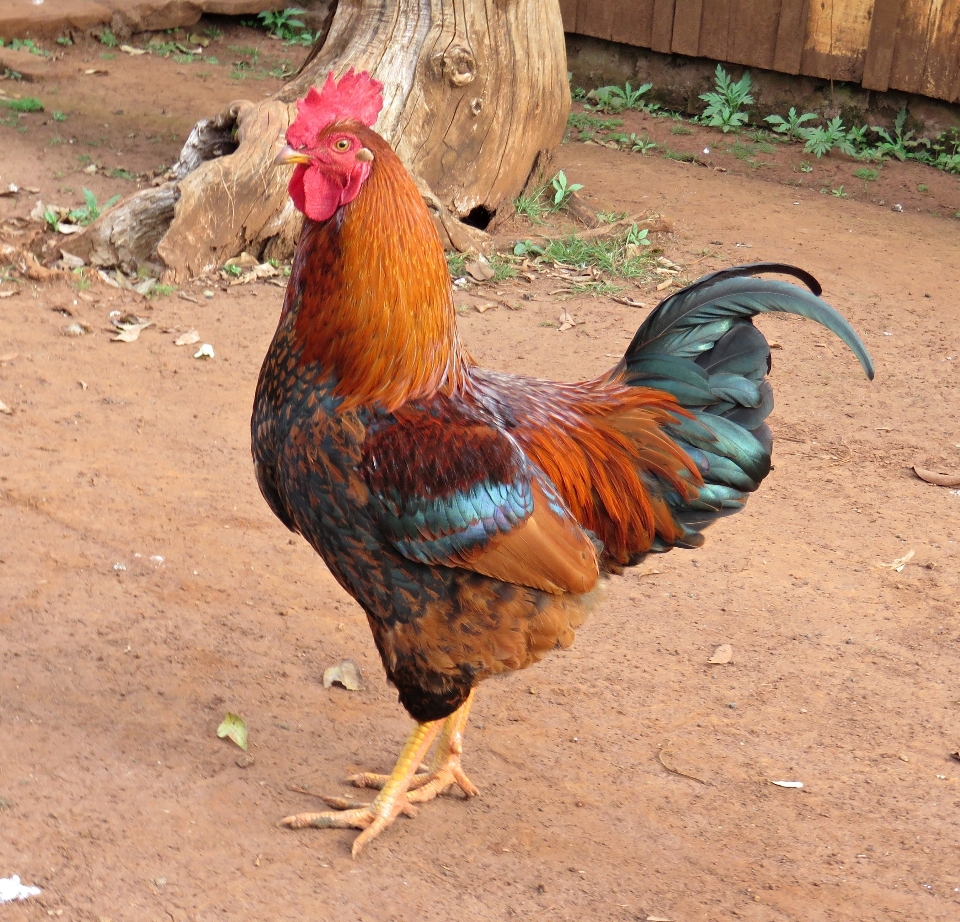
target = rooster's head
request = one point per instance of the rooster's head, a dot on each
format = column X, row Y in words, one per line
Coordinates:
column 331, row 161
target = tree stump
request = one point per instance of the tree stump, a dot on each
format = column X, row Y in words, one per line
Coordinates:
column 475, row 98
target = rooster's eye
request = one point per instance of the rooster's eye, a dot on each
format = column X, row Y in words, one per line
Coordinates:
column 342, row 145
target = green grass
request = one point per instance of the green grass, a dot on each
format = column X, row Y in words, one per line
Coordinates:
column 679, row 155
column 611, row 255
column 27, row 104
column 531, row 206
column 583, row 122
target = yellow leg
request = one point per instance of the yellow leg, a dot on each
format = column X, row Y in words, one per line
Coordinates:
column 389, row 803
column 445, row 769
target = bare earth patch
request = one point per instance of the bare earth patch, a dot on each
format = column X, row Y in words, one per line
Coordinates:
column 146, row 589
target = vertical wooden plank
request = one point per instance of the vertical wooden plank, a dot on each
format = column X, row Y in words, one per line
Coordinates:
column 943, row 52
column 596, row 18
column 791, row 36
column 925, row 53
column 632, row 21
column 661, row 38
column 752, row 34
column 883, row 36
column 838, row 32
column 568, row 13
column 686, row 27
column 912, row 43
column 714, row 28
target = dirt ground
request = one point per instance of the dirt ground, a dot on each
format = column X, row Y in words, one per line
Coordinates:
column 146, row 589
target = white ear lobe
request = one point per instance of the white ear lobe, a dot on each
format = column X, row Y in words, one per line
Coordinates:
column 365, row 155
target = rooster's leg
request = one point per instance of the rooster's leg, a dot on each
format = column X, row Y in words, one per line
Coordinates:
column 389, row 803
column 445, row 769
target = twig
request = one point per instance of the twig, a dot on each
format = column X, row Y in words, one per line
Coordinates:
column 676, row 771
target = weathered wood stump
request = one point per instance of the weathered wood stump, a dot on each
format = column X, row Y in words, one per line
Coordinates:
column 475, row 98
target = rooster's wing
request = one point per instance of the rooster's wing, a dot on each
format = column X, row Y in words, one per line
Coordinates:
column 451, row 488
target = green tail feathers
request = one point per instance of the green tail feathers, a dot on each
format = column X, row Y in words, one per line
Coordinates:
column 700, row 345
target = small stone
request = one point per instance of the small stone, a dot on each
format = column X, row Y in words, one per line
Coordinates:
column 245, row 760
column 731, row 705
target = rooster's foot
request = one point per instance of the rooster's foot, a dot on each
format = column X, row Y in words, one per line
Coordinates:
column 387, row 805
column 445, row 770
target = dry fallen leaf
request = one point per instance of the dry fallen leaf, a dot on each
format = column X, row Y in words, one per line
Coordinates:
column 7, row 294
column 234, row 728
column 479, row 270
column 77, row 328
column 244, row 261
column 96, row 72
column 788, row 784
column 722, row 655
column 899, row 563
column 129, row 327
column 629, row 302
column 567, row 322
column 482, row 308
column 129, row 49
column 664, row 285
column 346, row 673
column 5, row 409
column 941, row 480
column 187, row 339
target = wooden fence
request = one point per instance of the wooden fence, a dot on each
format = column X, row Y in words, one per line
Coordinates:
column 909, row 45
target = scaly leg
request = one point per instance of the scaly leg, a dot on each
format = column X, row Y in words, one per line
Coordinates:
column 445, row 769
column 389, row 803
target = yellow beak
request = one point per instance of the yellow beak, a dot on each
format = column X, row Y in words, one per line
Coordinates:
column 289, row 155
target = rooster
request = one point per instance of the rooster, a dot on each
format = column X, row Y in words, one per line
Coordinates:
column 475, row 515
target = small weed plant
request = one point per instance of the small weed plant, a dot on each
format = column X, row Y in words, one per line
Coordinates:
column 724, row 104
column 90, row 210
column 24, row 44
column 824, row 138
column 791, row 126
column 618, row 98
column 900, row 144
column 562, row 190
column 285, row 26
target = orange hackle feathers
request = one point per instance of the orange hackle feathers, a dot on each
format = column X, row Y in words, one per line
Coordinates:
column 375, row 300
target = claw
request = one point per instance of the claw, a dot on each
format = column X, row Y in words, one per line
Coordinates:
column 402, row 789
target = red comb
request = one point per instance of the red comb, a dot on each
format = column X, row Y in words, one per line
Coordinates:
column 354, row 95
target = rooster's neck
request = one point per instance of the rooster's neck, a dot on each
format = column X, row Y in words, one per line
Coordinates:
column 371, row 294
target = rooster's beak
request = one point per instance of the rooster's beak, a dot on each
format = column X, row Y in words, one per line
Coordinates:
column 289, row 155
